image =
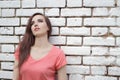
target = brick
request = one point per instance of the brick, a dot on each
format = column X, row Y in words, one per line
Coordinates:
column 114, row 11
column 95, row 60
column 6, row 30
column 76, row 77
column 24, row 21
column 99, row 22
column 118, row 22
column 6, row 57
column 52, row 12
column 57, row 39
column 10, row 4
column 28, row 4
column 8, row 12
column 97, row 31
column 69, row 50
column 118, row 61
column 9, row 22
column 118, row 2
column 78, row 69
column 0, row 11
column 74, row 21
column 114, row 71
column 50, row 3
column 118, row 41
column 115, row 51
column 74, row 31
column 6, row 74
column 9, row 39
column 75, row 11
column 100, row 12
column 98, row 70
column 73, row 59
column 99, row 51
column 27, row 12
column 74, row 3
column 109, row 41
column 7, row 48
column 55, row 31
column 19, row 30
column 7, row 65
column 57, row 21
column 98, row 3
column 74, row 40
column 100, row 78
column 115, row 31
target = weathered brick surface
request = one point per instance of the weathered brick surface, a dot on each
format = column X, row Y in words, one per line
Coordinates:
column 88, row 31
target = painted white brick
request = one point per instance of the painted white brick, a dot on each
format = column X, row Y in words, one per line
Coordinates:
column 55, row 31
column 9, row 22
column 6, row 30
column 74, row 3
column 82, row 50
column 52, row 12
column 98, row 3
column 76, row 77
column 74, row 21
column 99, row 50
column 114, row 11
column 115, row 31
column 9, row 39
column 73, row 59
column 6, row 74
column 28, row 3
column 78, row 69
column 7, row 65
column 10, row 4
column 115, row 51
column 118, row 2
column 118, row 22
column 95, row 60
column 114, row 71
column 118, row 61
column 19, row 30
column 109, row 41
column 7, row 48
column 76, row 12
column 99, row 22
column 50, row 3
column 24, row 21
column 97, row 31
column 98, row 70
column 74, row 40
column 75, row 31
column 6, row 57
column 100, row 12
column 58, row 39
column 57, row 21
column 8, row 12
column 27, row 12
column 100, row 78
column 118, row 41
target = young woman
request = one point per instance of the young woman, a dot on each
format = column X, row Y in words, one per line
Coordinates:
column 36, row 58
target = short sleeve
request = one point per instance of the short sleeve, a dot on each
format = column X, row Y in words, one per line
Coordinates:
column 16, row 54
column 61, row 60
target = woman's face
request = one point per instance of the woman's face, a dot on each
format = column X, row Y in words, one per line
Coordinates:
column 39, row 26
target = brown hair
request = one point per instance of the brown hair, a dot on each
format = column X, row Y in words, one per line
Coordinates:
column 29, row 39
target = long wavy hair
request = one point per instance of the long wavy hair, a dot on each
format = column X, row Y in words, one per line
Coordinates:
column 29, row 39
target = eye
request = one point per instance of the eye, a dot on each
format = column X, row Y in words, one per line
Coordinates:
column 40, row 20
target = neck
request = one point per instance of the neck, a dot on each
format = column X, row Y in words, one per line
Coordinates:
column 41, row 41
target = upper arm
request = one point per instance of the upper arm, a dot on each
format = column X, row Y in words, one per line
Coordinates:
column 62, row 73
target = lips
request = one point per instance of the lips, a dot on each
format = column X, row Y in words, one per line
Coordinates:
column 36, row 29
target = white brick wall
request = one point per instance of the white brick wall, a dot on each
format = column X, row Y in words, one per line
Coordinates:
column 88, row 31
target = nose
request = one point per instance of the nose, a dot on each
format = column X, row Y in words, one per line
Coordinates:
column 35, row 25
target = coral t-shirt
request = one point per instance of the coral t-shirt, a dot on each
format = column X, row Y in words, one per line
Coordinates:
column 43, row 68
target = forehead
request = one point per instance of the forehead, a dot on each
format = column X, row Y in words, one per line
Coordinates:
column 38, row 17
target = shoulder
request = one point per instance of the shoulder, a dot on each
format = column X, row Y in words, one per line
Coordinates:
column 57, row 51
